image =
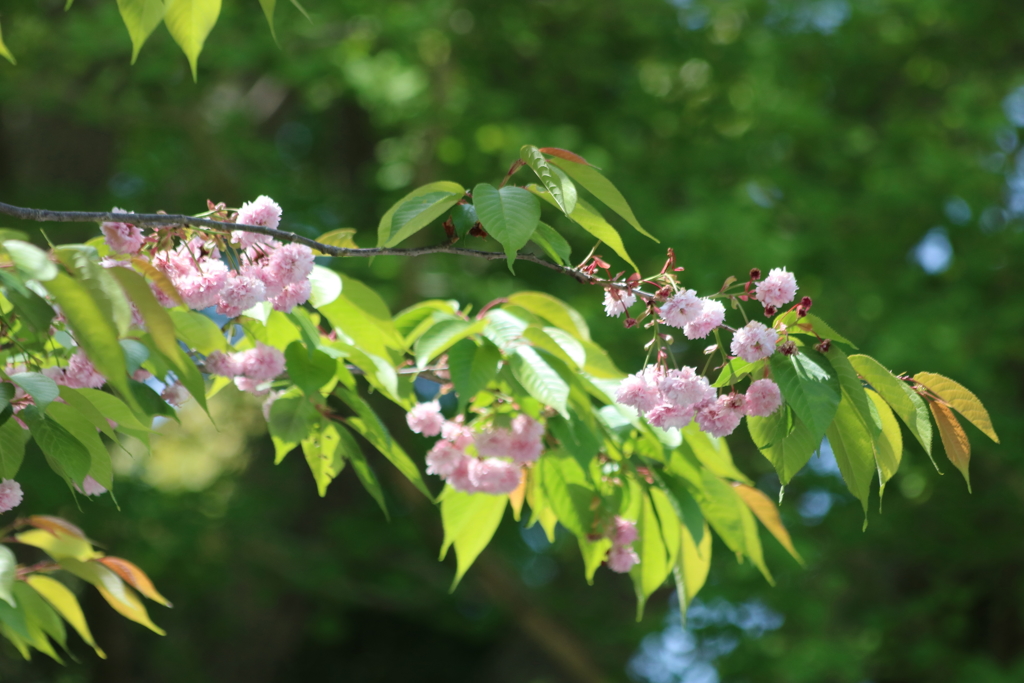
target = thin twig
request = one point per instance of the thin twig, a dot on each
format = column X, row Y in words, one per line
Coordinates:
column 174, row 220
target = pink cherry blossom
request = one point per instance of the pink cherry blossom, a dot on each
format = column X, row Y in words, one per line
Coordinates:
column 622, row 558
column 721, row 417
column 122, row 238
column 290, row 263
column 493, row 475
column 681, row 309
column 196, row 272
column 778, row 289
column 220, row 363
column 667, row 416
column 444, row 459
column 294, row 294
column 763, row 398
column 684, row 387
column 79, row 373
column 639, row 391
column 494, row 442
column 263, row 211
column 175, row 394
column 11, row 495
column 712, row 314
column 91, row 487
column 526, row 445
column 623, row 531
column 257, row 268
column 459, row 479
column 753, row 342
column 458, row 434
column 252, row 386
column 616, row 303
column 240, row 293
column 261, row 364
column 425, row 418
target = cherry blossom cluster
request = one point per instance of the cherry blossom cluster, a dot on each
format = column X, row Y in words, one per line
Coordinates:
column 488, row 461
column 265, row 269
column 621, row 556
column 253, row 369
column 11, row 495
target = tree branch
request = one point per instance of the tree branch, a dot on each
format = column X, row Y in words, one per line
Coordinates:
column 156, row 220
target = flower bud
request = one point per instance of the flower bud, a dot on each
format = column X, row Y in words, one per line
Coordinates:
column 755, row 273
column 824, row 346
column 769, row 311
column 787, row 347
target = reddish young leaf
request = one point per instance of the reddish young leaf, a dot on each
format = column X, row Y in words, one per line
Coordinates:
column 565, row 154
column 55, row 525
column 954, row 439
column 135, row 577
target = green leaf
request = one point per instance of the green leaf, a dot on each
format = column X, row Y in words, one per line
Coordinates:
column 83, row 262
column 150, row 401
column 41, row 388
column 712, row 452
column 540, row 379
column 560, row 187
column 8, row 569
column 812, row 325
column 161, row 328
column 66, row 604
column 567, row 491
column 141, row 17
column 961, row 399
column 4, row 52
column 469, row 521
column 553, row 244
column 650, row 546
column 135, row 354
column 889, row 446
column 464, row 218
column 565, row 349
column 594, row 554
column 41, row 618
column 12, row 448
column 31, row 307
column 190, row 22
column 309, row 369
column 509, row 215
column 66, row 454
column 555, row 311
column 735, row 370
column 78, row 426
column 694, row 564
column 809, row 385
column 472, row 367
column 362, row 468
column 785, row 440
column 602, row 188
column 114, row 408
column 853, row 389
column 370, row 427
column 94, row 331
column 292, row 418
column 670, row 523
column 29, row 259
column 268, row 11
column 443, row 335
column 904, row 401
column 198, row 332
column 325, row 286
column 323, row 452
column 416, row 210
column 853, row 446
column 593, row 222
column 7, row 392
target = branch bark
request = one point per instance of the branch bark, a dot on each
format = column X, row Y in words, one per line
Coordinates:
column 160, row 220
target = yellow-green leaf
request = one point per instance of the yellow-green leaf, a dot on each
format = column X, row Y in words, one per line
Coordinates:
column 590, row 220
column 960, row 398
column 135, row 577
column 4, row 52
column 693, row 566
column 469, row 520
column 268, row 10
column 889, row 445
column 190, row 22
column 602, row 188
column 766, row 511
column 59, row 545
column 66, row 604
column 114, row 590
column 954, row 439
column 342, row 237
column 140, row 17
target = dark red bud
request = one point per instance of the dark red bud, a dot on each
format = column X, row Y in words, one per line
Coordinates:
column 664, row 293
column 477, row 231
column 755, row 273
column 630, row 322
column 824, row 346
column 806, row 302
column 787, row 348
column 769, row 311
column 801, row 311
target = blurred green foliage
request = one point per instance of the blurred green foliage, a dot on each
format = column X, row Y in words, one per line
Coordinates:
column 828, row 136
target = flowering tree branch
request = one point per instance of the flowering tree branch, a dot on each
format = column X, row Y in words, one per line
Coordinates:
column 155, row 220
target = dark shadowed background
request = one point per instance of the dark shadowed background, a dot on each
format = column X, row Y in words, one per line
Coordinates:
column 870, row 146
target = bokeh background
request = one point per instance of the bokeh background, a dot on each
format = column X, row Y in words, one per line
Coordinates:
column 870, row 146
